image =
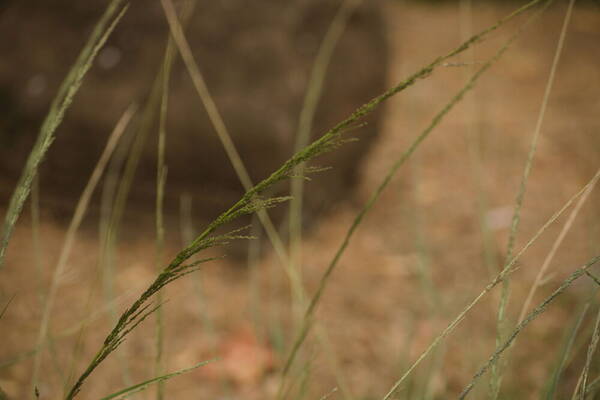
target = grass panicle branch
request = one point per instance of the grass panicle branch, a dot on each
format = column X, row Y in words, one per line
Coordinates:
column 430, row 68
column 142, row 307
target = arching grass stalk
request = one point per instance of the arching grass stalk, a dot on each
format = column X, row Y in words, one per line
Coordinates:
column 250, row 203
column 496, row 380
column 530, row 318
column 67, row 91
column 307, row 322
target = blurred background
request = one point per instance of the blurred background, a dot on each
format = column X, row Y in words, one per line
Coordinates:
column 432, row 242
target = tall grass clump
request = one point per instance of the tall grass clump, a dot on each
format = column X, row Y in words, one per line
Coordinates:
column 292, row 380
column 252, row 201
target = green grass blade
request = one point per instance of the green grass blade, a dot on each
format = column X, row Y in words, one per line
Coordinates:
column 504, row 297
column 60, row 104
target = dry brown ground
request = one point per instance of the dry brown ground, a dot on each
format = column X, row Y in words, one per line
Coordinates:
column 377, row 314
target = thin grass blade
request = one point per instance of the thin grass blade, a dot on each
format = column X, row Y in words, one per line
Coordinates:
column 590, row 355
column 124, row 393
column 78, row 215
column 530, row 318
column 6, row 306
column 305, row 124
column 565, row 353
column 504, row 296
column 546, row 264
column 69, row 88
